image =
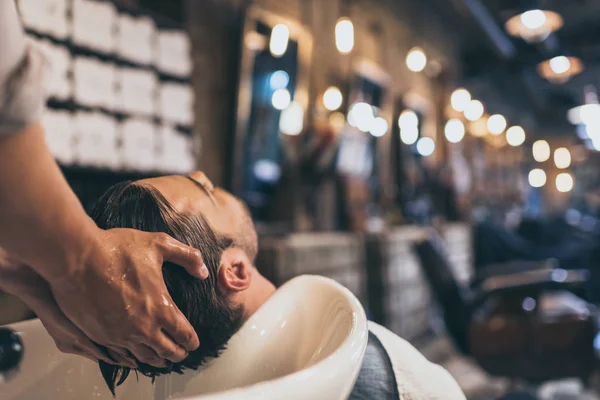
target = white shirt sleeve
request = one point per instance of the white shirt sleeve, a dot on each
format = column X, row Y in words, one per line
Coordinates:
column 23, row 69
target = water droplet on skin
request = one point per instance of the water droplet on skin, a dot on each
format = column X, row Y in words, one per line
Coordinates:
column 165, row 301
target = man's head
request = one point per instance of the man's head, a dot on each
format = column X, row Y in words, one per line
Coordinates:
column 214, row 222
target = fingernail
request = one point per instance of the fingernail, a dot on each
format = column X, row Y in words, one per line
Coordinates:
column 204, row 271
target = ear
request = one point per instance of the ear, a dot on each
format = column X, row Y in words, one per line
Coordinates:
column 235, row 270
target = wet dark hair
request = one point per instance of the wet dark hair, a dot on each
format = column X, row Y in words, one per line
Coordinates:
column 130, row 205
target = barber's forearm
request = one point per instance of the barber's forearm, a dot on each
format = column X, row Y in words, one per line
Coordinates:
column 42, row 223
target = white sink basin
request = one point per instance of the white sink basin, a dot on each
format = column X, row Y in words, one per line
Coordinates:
column 306, row 342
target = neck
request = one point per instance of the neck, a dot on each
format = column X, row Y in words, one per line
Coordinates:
column 257, row 294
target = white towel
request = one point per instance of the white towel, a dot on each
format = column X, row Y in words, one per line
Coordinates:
column 59, row 132
column 94, row 82
column 136, row 39
column 60, row 83
column 175, row 151
column 417, row 378
column 94, row 24
column 176, row 103
column 138, row 151
column 48, row 16
column 173, row 54
column 137, row 93
column 96, row 143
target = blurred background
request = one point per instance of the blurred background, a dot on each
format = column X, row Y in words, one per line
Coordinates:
column 437, row 157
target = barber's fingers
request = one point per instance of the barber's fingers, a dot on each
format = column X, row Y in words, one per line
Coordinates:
column 148, row 356
column 202, row 179
column 182, row 255
column 177, row 327
column 121, row 357
column 166, row 348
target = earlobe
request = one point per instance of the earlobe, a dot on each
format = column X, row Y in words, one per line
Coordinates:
column 235, row 272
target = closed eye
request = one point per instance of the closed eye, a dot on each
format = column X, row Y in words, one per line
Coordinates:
column 203, row 188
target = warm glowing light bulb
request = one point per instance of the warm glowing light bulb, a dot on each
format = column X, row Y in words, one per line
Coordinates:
column 564, row 182
column 281, row 99
column 344, row 35
column 361, row 116
column 425, row 146
column 280, row 37
column 408, row 119
column 537, row 178
column 337, row 120
column 416, row 60
column 460, row 99
column 291, row 121
column 332, row 98
column 515, row 136
column 454, row 130
column 560, row 65
column 379, row 127
column 533, row 19
column 496, row 124
column 562, row 158
column 541, row 151
column 474, row 110
column 279, row 80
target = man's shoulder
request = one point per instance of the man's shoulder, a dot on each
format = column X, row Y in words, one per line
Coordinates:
column 416, row 376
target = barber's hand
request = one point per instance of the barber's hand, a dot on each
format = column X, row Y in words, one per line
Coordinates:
column 118, row 297
column 21, row 281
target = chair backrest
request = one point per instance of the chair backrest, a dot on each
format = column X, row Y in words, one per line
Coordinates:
column 449, row 293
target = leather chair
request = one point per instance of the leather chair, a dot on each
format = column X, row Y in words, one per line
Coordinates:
column 525, row 326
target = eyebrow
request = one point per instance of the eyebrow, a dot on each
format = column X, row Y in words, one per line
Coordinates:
column 203, row 188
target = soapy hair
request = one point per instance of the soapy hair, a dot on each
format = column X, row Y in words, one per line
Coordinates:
column 130, row 205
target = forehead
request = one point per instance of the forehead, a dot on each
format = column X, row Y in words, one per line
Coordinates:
column 183, row 194
column 220, row 209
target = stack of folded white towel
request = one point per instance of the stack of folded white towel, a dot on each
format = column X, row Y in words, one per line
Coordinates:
column 176, row 103
column 138, row 150
column 173, row 54
column 60, row 136
column 94, row 25
column 48, row 16
column 136, row 39
column 93, row 138
column 137, row 92
column 96, row 140
column 176, row 151
column 94, row 82
column 60, row 83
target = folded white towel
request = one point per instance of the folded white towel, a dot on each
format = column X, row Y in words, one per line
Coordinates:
column 137, row 92
column 175, row 151
column 48, row 16
column 138, row 151
column 94, row 24
column 136, row 39
column 60, row 134
column 60, row 82
column 94, row 82
column 173, row 54
column 96, row 143
column 176, row 103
